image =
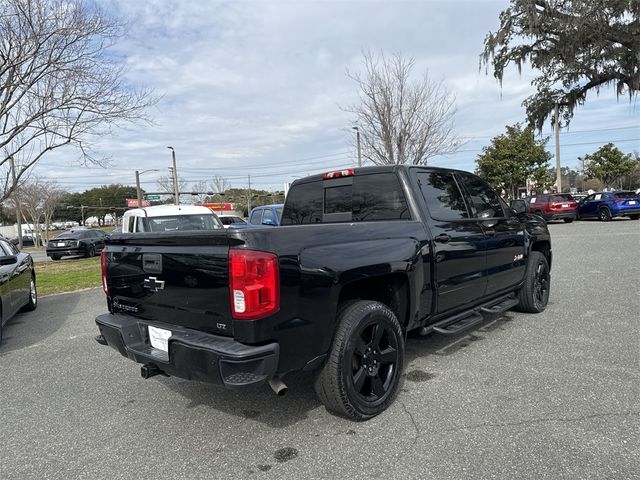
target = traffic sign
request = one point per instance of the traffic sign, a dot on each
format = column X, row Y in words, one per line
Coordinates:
column 152, row 197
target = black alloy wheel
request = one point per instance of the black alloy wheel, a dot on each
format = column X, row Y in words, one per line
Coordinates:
column 91, row 251
column 541, row 285
column 604, row 214
column 373, row 360
column 534, row 294
column 362, row 374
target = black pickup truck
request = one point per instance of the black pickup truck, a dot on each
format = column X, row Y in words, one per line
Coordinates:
column 362, row 257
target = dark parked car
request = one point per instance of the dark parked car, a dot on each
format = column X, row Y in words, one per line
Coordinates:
column 76, row 243
column 560, row 206
column 17, row 283
column 27, row 241
column 362, row 257
column 607, row 205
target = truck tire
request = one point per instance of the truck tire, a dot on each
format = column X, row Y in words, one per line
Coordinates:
column 362, row 374
column 534, row 294
column 55, row 257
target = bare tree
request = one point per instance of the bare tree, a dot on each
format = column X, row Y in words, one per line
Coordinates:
column 401, row 120
column 58, row 85
column 51, row 196
column 219, row 184
column 37, row 200
column 165, row 184
column 201, row 188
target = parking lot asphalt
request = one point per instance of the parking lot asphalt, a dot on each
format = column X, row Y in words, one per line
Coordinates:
column 553, row 395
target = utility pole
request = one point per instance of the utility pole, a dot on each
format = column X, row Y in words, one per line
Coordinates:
column 581, row 160
column 138, row 191
column 176, row 193
column 249, row 196
column 557, row 131
column 18, row 210
column 358, row 145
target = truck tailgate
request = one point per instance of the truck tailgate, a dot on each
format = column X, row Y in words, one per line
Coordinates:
column 174, row 279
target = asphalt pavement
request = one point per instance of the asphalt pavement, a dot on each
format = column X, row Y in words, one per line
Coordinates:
column 553, row 395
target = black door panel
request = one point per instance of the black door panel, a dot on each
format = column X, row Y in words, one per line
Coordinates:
column 458, row 242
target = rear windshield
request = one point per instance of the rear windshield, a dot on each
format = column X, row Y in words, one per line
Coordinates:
column 562, row 197
column 73, row 235
column 360, row 198
column 183, row 223
column 625, row 195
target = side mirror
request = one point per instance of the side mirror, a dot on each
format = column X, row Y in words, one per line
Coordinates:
column 8, row 260
column 267, row 221
column 519, row 206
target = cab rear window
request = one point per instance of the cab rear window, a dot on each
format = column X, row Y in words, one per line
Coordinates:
column 360, row 198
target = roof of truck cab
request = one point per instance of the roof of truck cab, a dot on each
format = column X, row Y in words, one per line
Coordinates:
column 167, row 210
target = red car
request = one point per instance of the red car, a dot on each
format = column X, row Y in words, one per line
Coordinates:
column 558, row 206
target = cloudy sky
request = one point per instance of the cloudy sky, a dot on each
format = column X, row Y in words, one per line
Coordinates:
column 255, row 87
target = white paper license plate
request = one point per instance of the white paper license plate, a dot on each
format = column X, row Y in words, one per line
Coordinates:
column 159, row 338
column 61, row 244
column 632, row 202
column 565, row 205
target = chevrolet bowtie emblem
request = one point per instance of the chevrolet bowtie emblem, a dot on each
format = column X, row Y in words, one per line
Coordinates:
column 153, row 284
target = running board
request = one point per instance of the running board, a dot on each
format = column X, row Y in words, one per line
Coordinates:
column 457, row 326
column 469, row 319
column 500, row 307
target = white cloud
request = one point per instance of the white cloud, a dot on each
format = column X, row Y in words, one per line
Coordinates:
column 249, row 83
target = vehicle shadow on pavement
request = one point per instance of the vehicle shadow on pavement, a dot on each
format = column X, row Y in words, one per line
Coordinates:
column 443, row 345
column 260, row 404
column 30, row 328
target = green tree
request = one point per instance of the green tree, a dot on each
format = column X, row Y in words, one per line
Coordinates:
column 514, row 157
column 96, row 202
column 578, row 47
column 608, row 164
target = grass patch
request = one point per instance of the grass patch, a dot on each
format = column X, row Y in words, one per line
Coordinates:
column 68, row 275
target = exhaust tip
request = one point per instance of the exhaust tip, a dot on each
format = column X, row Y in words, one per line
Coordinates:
column 278, row 386
column 101, row 340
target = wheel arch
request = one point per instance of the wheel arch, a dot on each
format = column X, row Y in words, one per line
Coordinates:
column 391, row 290
column 543, row 246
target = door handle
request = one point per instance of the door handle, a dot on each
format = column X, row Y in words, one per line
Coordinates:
column 490, row 232
column 442, row 238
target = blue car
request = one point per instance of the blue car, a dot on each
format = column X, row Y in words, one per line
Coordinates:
column 266, row 215
column 607, row 205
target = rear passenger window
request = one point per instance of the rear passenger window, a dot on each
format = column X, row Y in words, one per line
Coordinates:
column 443, row 196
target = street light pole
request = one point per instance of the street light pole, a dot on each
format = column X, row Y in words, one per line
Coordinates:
column 176, row 193
column 138, row 189
column 358, row 145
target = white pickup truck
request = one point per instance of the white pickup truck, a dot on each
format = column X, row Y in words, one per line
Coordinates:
column 167, row 218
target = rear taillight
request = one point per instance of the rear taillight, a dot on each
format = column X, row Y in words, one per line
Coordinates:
column 254, row 284
column 103, row 265
column 618, row 200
